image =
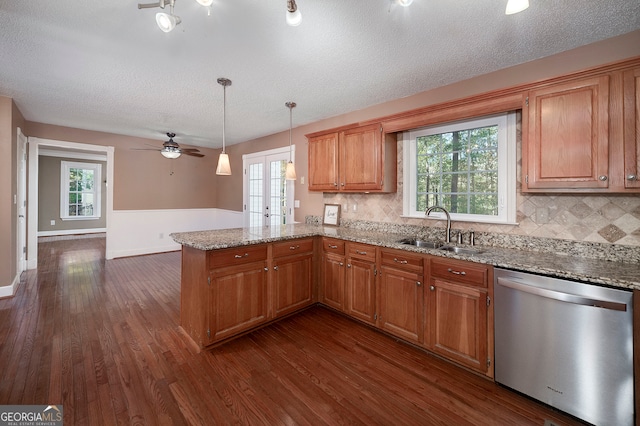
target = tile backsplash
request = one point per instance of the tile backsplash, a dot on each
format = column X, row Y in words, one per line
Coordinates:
column 602, row 218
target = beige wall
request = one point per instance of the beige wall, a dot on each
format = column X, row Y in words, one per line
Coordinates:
column 145, row 180
column 10, row 120
column 611, row 50
column 49, row 169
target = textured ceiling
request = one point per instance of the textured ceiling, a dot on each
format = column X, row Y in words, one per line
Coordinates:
column 105, row 65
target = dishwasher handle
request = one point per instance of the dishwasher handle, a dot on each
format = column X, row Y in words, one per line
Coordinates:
column 563, row 297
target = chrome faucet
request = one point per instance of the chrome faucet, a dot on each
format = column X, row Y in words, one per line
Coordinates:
column 448, row 235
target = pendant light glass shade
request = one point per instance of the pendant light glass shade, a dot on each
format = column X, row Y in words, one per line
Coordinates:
column 294, row 17
column 515, row 6
column 290, row 173
column 224, row 167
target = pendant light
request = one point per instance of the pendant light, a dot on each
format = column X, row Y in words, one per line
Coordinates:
column 294, row 17
column 290, row 174
column 224, row 168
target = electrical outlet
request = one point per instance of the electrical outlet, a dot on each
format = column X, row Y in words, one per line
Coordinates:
column 355, row 207
column 53, row 222
column 301, row 180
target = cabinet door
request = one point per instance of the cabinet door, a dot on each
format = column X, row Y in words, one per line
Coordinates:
column 292, row 279
column 323, row 162
column 566, row 144
column 458, row 323
column 361, row 296
column 333, row 277
column 632, row 128
column 361, row 159
column 401, row 303
column 237, row 299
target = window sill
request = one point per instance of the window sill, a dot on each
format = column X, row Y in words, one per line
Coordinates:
column 81, row 218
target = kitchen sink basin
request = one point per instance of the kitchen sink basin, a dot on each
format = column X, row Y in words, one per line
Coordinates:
column 420, row 243
column 461, row 250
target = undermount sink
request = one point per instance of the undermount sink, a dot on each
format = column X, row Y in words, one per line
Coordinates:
column 420, row 243
column 461, row 250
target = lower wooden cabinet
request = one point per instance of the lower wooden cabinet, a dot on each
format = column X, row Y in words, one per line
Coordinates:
column 292, row 283
column 401, row 295
column 333, row 273
column 360, row 300
column 458, row 320
column 237, row 299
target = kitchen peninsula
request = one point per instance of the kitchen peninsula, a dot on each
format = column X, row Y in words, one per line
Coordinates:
column 233, row 272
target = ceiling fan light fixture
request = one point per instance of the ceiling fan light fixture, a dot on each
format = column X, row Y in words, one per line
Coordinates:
column 170, row 152
column 294, row 17
column 224, row 167
column 515, row 6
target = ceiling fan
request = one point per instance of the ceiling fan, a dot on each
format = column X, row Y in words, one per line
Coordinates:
column 171, row 149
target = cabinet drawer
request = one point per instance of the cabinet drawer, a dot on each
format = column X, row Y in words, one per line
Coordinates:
column 405, row 260
column 460, row 271
column 362, row 251
column 332, row 246
column 291, row 247
column 237, row 256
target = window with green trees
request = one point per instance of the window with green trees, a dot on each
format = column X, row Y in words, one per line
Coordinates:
column 80, row 190
column 466, row 167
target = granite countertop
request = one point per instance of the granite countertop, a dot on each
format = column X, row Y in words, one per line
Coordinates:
column 560, row 265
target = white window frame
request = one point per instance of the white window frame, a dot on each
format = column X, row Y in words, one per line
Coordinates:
column 506, row 168
column 65, row 167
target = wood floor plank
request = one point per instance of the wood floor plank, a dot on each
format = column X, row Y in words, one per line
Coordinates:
column 102, row 339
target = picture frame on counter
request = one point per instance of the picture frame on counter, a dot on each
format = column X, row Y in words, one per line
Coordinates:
column 331, row 214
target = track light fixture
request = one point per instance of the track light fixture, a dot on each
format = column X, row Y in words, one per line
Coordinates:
column 168, row 21
column 293, row 14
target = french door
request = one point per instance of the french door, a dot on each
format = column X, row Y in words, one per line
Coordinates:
column 268, row 196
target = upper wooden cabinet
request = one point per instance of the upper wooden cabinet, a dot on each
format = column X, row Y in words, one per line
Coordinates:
column 355, row 159
column 567, row 139
column 631, row 133
column 581, row 134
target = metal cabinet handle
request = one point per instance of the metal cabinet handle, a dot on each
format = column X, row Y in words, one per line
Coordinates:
column 341, row 264
column 363, row 253
column 348, row 265
column 342, row 184
column 603, row 178
column 432, row 288
column 632, row 177
column 418, row 283
column 335, row 183
column 402, row 262
column 266, row 269
column 239, row 256
column 331, row 246
column 294, row 247
column 275, row 268
column 457, row 272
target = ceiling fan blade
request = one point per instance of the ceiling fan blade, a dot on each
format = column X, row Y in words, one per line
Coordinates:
column 189, row 150
column 145, row 149
column 193, row 154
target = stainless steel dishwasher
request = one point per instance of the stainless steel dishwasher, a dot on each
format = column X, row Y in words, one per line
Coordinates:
column 567, row 344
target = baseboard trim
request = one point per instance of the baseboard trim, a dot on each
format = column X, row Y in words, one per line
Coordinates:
column 10, row 290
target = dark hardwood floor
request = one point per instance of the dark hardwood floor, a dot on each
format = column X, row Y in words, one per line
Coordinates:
column 102, row 338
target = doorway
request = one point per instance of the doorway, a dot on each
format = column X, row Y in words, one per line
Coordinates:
column 35, row 145
column 21, row 203
column 268, row 196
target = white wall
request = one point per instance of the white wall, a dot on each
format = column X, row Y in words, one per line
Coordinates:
column 136, row 232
